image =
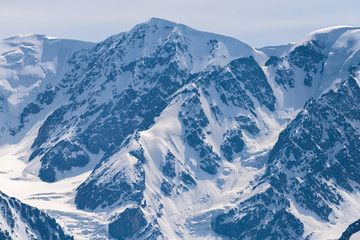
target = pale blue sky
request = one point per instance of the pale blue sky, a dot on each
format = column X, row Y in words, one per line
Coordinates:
column 256, row 22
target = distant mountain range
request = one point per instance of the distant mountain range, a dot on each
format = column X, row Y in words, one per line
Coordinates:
column 181, row 134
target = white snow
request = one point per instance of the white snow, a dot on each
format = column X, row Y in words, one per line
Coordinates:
column 356, row 236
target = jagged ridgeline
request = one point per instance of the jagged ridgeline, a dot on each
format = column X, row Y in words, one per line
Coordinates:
column 192, row 135
column 21, row 221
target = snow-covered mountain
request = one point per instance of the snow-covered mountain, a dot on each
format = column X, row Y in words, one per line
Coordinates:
column 167, row 132
column 311, row 182
column 123, row 84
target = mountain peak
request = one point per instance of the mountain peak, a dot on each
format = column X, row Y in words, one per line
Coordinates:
column 29, row 36
column 334, row 29
column 329, row 36
column 163, row 24
column 194, row 49
column 155, row 24
column 159, row 21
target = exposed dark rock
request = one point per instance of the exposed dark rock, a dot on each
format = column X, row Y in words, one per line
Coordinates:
column 351, row 230
column 247, row 221
column 128, row 224
column 273, row 61
column 168, row 169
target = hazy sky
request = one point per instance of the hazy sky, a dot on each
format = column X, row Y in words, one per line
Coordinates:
column 256, row 22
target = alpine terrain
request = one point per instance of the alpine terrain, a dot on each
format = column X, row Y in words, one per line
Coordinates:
column 166, row 132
